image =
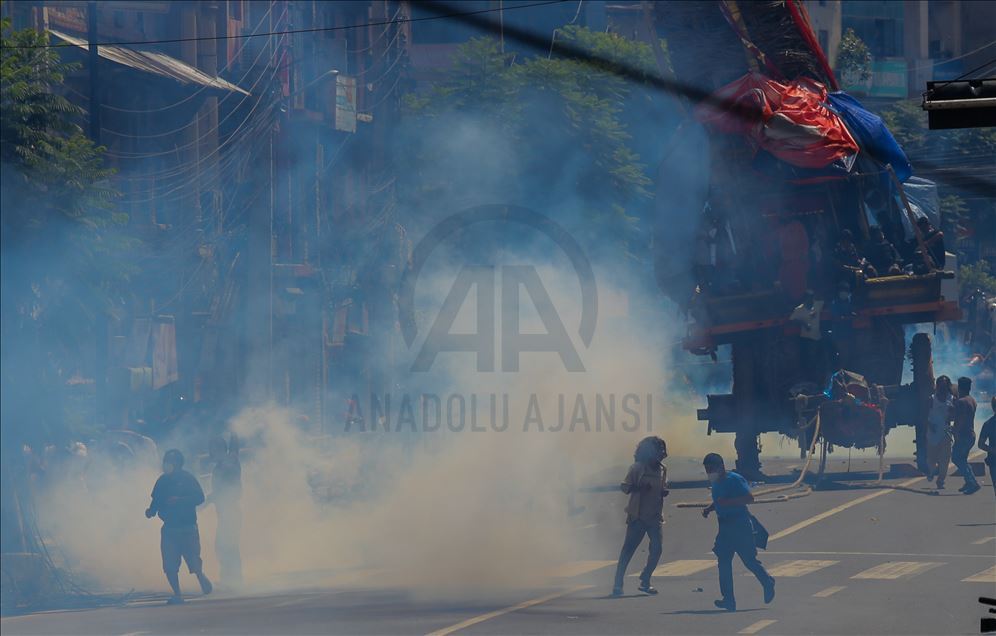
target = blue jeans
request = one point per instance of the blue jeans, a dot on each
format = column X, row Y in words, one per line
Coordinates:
column 634, row 535
column 959, row 457
column 736, row 536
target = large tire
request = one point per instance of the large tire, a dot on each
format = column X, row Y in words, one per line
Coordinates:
column 921, row 357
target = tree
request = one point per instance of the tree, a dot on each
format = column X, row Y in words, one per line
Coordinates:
column 562, row 123
column 853, row 59
column 978, row 275
column 62, row 251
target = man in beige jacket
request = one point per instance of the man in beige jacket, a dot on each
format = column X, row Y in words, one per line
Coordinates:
column 646, row 485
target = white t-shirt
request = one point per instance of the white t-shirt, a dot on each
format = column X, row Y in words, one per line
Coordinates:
column 809, row 319
column 938, row 419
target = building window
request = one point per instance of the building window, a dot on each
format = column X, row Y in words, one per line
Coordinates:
column 824, row 38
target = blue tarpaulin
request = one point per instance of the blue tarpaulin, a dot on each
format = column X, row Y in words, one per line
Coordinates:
column 871, row 134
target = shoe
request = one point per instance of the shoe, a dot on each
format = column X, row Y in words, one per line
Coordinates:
column 647, row 588
column 769, row 592
column 205, row 582
column 930, row 478
column 617, row 592
column 729, row 606
column 940, row 485
column 963, row 488
column 971, row 490
column 175, row 600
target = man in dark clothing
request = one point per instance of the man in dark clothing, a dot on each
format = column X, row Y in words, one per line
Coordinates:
column 730, row 497
column 933, row 240
column 226, row 495
column 845, row 254
column 880, row 253
column 175, row 498
column 987, row 442
column 964, row 434
column 646, row 485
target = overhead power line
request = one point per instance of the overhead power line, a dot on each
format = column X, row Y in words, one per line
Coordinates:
column 452, row 14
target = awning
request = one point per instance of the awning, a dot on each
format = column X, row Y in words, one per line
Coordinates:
column 155, row 63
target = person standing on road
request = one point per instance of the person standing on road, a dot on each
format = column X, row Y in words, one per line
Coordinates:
column 939, row 431
column 175, row 498
column 226, row 495
column 987, row 442
column 730, row 497
column 964, row 434
column 646, row 485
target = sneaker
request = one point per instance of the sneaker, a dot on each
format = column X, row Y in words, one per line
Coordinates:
column 963, row 488
column 930, row 477
column 940, row 485
column 729, row 606
column 617, row 591
column 971, row 490
column 769, row 592
column 647, row 588
column 175, row 600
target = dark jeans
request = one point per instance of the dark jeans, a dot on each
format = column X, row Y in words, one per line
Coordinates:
column 959, row 457
column 737, row 537
column 634, row 535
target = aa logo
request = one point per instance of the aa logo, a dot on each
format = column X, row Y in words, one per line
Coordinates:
column 498, row 303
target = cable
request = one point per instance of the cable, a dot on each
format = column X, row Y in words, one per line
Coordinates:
column 458, row 14
column 379, row 37
column 193, row 121
column 962, row 76
column 771, row 491
column 126, row 155
column 203, row 88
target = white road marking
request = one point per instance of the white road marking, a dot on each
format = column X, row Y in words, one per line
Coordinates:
column 683, row 567
column 577, row 568
column 805, row 523
column 758, row 626
column 897, row 569
column 829, row 513
column 798, row 567
column 889, row 554
column 523, row 605
column 830, row 591
column 984, row 540
column 985, row 576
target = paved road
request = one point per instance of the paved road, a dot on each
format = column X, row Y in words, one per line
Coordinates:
column 847, row 561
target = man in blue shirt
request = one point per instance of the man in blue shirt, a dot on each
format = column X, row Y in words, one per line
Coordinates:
column 730, row 496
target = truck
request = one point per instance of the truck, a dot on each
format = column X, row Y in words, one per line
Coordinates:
column 775, row 192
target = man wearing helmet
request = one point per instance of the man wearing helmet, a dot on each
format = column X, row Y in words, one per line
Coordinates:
column 175, row 498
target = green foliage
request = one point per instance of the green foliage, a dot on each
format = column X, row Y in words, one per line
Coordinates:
column 907, row 121
column 853, row 59
column 63, row 249
column 549, row 110
column 49, row 164
column 978, row 275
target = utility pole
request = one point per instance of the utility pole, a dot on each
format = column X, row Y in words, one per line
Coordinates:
column 100, row 359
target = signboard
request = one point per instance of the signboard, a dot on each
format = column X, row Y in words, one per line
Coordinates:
column 888, row 79
column 345, row 103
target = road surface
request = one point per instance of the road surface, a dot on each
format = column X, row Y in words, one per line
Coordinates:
column 847, row 560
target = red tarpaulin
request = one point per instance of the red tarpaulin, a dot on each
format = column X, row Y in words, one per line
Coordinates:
column 789, row 120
